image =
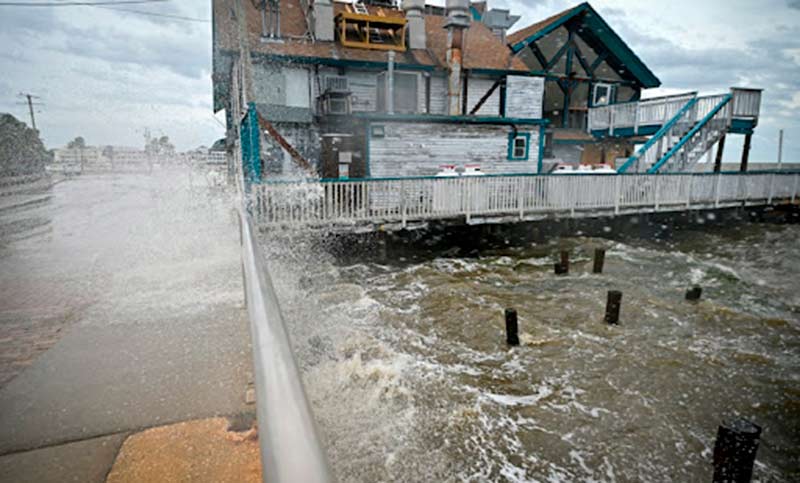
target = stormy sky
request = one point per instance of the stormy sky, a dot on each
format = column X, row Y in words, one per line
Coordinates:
column 109, row 74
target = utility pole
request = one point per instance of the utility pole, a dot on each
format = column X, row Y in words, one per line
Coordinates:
column 780, row 148
column 30, row 98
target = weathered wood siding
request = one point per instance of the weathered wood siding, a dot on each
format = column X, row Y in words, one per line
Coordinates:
column 524, row 96
column 418, row 149
column 477, row 87
column 363, row 85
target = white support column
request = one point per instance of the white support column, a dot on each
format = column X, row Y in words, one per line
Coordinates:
column 689, row 192
column 716, row 190
column 521, row 196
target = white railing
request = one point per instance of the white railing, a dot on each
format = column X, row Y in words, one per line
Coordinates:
column 418, row 199
column 654, row 111
column 659, row 110
column 746, row 102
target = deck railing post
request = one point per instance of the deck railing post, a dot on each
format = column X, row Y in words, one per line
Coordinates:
column 521, row 196
column 716, row 190
column 403, row 203
column 771, row 188
column 467, row 197
column 573, row 196
column 655, row 191
column 689, row 192
column 617, row 181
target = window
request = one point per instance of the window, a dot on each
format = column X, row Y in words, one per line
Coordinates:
column 603, row 94
column 518, row 146
column 378, row 131
column 405, row 92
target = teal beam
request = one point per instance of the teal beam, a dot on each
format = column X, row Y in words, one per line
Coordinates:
column 689, row 135
column 658, row 135
column 250, row 137
column 568, row 73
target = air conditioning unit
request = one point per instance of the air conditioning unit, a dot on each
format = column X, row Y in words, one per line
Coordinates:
column 338, row 105
column 336, row 83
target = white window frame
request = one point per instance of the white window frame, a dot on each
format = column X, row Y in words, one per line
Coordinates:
column 609, row 96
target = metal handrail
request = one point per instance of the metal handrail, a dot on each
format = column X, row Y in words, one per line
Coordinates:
column 289, row 441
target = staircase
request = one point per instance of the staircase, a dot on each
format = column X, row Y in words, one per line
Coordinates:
column 685, row 138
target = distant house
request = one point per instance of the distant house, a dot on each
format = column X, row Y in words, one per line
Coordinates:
column 375, row 91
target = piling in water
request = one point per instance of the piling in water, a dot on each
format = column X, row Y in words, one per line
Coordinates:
column 735, row 451
column 612, row 306
column 562, row 267
column 512, row 328
column 599, row 259
column 694, row 293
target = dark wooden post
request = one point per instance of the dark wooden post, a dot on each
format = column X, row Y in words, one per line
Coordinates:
column 512, row 328
column 612, row 306
column 599, row 259
column 735, row 451
column 745, row 152
column 718, row 159
column 694, row 293
column 565, row 260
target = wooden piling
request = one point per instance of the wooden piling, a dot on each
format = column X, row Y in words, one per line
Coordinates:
column 562, row 267
column 613, row 305
column 735, row 451
column 694, row 293
column 512, row 328
column 599, row 260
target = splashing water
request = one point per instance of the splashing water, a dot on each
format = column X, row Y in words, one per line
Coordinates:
column 409, row 376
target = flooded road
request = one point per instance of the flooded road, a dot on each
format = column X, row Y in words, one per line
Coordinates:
column 411, row 380
column 122, row 307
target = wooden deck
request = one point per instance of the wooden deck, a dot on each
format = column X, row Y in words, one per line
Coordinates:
column 388, row 204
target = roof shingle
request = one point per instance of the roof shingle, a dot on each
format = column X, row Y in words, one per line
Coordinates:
column 482, row 50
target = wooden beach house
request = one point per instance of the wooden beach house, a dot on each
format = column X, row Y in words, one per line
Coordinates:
column 375, row 89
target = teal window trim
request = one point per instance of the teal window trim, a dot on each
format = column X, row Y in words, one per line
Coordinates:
column 512, row 137
column 540, row 162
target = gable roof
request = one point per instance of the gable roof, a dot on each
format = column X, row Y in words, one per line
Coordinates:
column 482, row 50
column 596, row 33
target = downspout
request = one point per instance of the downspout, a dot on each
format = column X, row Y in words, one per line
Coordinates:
column 458, row 20
column 390, row 84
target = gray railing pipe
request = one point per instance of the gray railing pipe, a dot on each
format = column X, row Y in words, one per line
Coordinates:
column 290, row 446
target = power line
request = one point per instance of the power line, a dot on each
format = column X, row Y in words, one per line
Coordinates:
column 78, row 4
column 154, row 14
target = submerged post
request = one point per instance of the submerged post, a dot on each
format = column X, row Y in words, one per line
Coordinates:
column 735, row 451
column 599, row 259
column 562, row 267
column 512, row 328
column 612, row 306
column 694, row 293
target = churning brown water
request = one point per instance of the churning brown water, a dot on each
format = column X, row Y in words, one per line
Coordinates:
column 410, row 378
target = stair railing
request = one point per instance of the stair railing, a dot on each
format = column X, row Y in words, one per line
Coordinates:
column 652, row 147
column 694, row 136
